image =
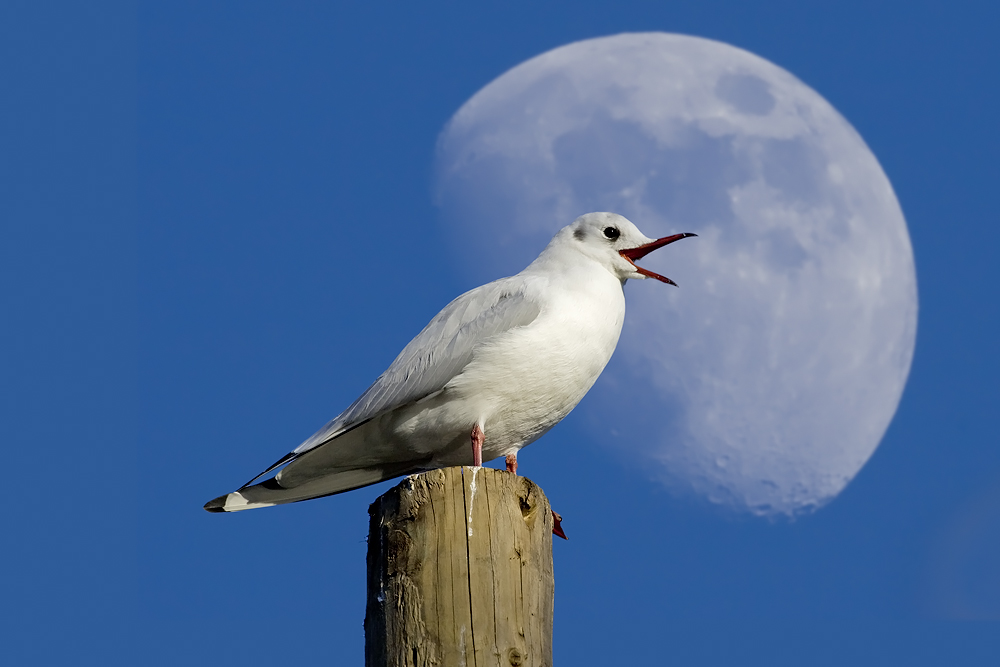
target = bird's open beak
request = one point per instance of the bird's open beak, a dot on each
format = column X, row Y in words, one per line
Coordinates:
column 632, row 254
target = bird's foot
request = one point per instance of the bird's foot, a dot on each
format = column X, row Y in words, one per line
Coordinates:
column 512, row 463
column 557, row 525
column 477, row 445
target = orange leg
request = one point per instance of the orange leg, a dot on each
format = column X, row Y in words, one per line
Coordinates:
column 477, row 445
column 512, row 463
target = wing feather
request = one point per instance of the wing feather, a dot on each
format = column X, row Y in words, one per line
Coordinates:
column 438, row 353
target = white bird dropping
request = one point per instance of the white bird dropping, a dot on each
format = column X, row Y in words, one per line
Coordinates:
column 491, row 373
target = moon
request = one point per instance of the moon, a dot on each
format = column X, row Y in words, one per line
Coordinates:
column 767, row 380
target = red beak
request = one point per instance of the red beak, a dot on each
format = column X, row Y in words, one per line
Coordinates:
column 632, row 254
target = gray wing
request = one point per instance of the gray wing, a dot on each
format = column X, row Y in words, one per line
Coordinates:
column 438, row 353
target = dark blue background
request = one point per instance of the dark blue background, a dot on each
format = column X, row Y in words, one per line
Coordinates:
column 218, row 230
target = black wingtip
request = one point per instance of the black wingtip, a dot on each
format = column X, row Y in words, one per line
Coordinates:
column 277, row 464
column 217, row 505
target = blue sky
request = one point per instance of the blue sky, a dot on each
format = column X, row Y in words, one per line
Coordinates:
column 219, row 229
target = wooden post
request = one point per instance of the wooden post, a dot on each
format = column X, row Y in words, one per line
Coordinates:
column 460, row 572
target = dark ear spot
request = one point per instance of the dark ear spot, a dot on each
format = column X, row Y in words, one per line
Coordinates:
column 579, row 234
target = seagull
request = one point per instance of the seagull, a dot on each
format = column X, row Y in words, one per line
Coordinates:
column 492, row 372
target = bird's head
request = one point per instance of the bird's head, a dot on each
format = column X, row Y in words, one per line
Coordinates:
column 615, row 242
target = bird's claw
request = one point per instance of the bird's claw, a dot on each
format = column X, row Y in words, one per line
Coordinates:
column 557, row 525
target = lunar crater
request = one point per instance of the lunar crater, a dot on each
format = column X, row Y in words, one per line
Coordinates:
column 746, row 93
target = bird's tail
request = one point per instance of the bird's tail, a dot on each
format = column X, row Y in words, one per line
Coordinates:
column 271, row 492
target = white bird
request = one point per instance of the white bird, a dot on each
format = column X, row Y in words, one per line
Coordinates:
column 491, row 373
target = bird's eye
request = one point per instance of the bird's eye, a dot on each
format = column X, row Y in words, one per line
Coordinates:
column 612, row 233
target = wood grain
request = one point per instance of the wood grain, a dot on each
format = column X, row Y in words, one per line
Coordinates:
column 460, row 572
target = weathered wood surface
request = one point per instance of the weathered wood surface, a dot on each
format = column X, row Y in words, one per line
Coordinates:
column 460, row 572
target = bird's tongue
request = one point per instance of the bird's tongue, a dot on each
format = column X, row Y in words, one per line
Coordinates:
column 632, row 254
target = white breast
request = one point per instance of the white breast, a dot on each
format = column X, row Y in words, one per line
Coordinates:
column 523, row 382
